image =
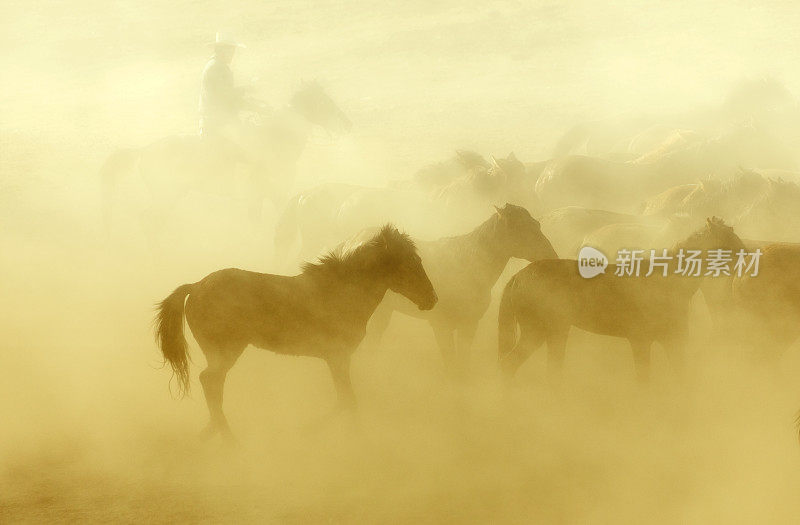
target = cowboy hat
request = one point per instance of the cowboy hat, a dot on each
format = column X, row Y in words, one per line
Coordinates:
column 224, row 39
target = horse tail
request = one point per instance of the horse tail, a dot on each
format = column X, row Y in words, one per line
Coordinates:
column 120, row 161
column 286, row 229
column 169, row 335
column 507, row 321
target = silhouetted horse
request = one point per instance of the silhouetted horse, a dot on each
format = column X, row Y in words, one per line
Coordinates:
column 768, row 304
column 463, row 270
column 322, row 312
column 548, row 297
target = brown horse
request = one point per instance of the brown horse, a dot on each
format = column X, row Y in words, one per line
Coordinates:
column 769, row 303
column 463, row 270
column 548, row 297
column 322, row 312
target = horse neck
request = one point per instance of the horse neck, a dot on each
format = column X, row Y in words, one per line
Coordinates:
column 484, row 252
column 693, row 283
column 365, row 285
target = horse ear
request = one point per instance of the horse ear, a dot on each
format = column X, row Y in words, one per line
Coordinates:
column 511, row 156
column 494, row 162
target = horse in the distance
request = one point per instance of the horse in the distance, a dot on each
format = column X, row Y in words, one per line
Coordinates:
column 567, row 227
column 266, row 150
column 322, row 312
column 463, row 269
column 323, row 215
column 595, row 182
column 439, row 174
column 763, row 99
column 761, row 205
column 548, row 297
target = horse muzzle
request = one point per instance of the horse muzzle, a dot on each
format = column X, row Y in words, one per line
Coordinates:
column 429, row 302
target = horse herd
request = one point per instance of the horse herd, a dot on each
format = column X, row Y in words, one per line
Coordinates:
column 669, row 196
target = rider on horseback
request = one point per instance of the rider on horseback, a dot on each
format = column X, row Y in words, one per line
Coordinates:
column 220, row 100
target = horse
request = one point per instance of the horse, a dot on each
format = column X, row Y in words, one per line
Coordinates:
column 549, row 296
column 759, row 204
column 268, row 149
column 323, row 215
column 767, row 305
column 322, row 312
column 755, row 98
column 773, row 213
column 506, row 180
column 728, row 197
column 439, row 174
column 619, row 186
column 463, row 270
column 612, row 238
column 567, row 227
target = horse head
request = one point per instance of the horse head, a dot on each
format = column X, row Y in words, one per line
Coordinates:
column 403, row 267
column 714, row 235
column 317, row 107
column 520, row 234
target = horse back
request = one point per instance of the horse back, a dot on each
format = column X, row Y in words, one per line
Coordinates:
column 552, row 293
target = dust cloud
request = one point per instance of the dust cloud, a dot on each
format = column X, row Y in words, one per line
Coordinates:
column 90, row 431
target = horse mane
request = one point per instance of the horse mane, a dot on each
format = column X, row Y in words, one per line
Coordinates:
column 711, row 192
column 345, row 258
column 467, row 244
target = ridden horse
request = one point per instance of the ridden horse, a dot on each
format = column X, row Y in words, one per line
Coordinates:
column 268, row 149
column 322, row 312
column 463, row 270
column 547, row 297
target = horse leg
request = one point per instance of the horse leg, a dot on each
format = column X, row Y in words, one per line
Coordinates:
column 675, row 349
column 212, row 378
column 377, row 326
column 339, row 365
column 529, row 341
column 556, row 350
column 446, row 342
column 641, row 358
